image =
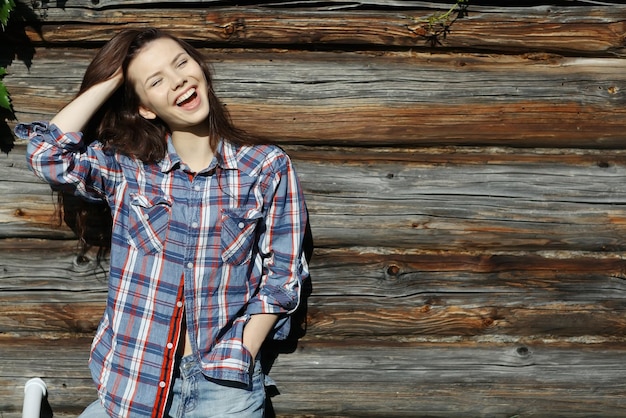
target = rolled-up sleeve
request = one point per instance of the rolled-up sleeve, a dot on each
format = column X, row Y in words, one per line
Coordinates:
column 284, row 265
column 62, row 160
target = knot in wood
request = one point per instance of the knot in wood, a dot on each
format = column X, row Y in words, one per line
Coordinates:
column 82, row 263
column 393, row 270
column 83, row 326
column 523, row 351
column 233, row 29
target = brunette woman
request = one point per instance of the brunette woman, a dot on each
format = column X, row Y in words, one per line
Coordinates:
column 207, row 240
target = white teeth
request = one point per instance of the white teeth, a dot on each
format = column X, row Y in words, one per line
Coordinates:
column 185, row 96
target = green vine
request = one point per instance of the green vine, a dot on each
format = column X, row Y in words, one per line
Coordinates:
column 6, row 6
column 437, row 25
column 5, row 10
column 5, row 99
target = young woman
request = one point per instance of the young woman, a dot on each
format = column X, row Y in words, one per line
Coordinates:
column 206, row 253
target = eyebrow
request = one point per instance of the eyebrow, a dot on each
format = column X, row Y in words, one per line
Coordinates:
column 176, row 58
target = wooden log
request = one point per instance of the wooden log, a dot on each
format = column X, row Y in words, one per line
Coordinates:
column 466, row 202
column 351, row 378
column 29, row 208
column 435, row 317
column 62, row 363
column 508, row 206
column 452, row 380
column 545, row 28
column 398, row 297
column 385, row 99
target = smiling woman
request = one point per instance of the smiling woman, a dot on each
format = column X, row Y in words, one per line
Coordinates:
column 207, row 255
column 173, row 82
column 171, row 86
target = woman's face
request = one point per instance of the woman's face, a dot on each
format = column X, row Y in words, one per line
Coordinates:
column 170, row 85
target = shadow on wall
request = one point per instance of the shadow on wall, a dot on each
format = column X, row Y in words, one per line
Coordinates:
column 272, row 349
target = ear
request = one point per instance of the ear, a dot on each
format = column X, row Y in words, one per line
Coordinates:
column 146, row 113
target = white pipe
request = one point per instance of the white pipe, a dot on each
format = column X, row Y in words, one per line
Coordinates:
column 34, row 391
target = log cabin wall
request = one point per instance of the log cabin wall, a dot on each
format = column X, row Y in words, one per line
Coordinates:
column 467, row 200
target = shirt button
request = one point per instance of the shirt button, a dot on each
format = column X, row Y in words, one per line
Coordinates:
column 196, row 188
column 179, row 304
column 170, row 346
column 146, row 216
column 241, row 225
column 194, row 224
column 190, row 265
column 162, row 384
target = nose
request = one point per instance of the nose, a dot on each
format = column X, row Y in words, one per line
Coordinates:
column 178, row 81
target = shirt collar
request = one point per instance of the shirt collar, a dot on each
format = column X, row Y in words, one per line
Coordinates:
column 225, row 156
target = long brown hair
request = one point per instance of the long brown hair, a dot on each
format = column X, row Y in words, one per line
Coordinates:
column 118, row 123
column 120, row 127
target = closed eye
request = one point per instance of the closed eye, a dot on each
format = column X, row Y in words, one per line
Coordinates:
column 155, row 82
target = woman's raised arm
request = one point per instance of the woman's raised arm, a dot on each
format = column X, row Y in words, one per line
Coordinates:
column 74, row 116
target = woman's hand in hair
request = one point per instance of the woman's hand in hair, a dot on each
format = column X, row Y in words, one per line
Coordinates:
column 118, row 77
column 74, row 116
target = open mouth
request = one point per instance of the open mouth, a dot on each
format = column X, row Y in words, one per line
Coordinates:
column 187, row 97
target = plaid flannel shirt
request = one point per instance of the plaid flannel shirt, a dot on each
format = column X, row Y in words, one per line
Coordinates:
column 215, row 247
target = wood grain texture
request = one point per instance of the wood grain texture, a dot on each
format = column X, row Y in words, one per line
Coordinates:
column 514, row 206
column 399, row 380
column 386, row 99
column 359, row 294
column 564, row 30
column 467, row 201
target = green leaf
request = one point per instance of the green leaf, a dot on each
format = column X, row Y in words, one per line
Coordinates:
column 5, row 10
column 5, row 100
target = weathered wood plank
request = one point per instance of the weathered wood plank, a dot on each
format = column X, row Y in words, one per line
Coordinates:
column 453, row 275
column 566, row 30
column 479, row 400
column 399, row 296
column 328, row 4
column 333, row 379
column 480, row 5
column 386, row 99
column 509, row 206
column 488, row 316
column 62, row 363
column 475, row 382
column 422, row 210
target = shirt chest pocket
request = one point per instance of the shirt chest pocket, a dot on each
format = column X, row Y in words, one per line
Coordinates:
column 148, row 220
column 238, row 235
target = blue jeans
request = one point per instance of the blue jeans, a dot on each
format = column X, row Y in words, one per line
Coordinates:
column 195, row 396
